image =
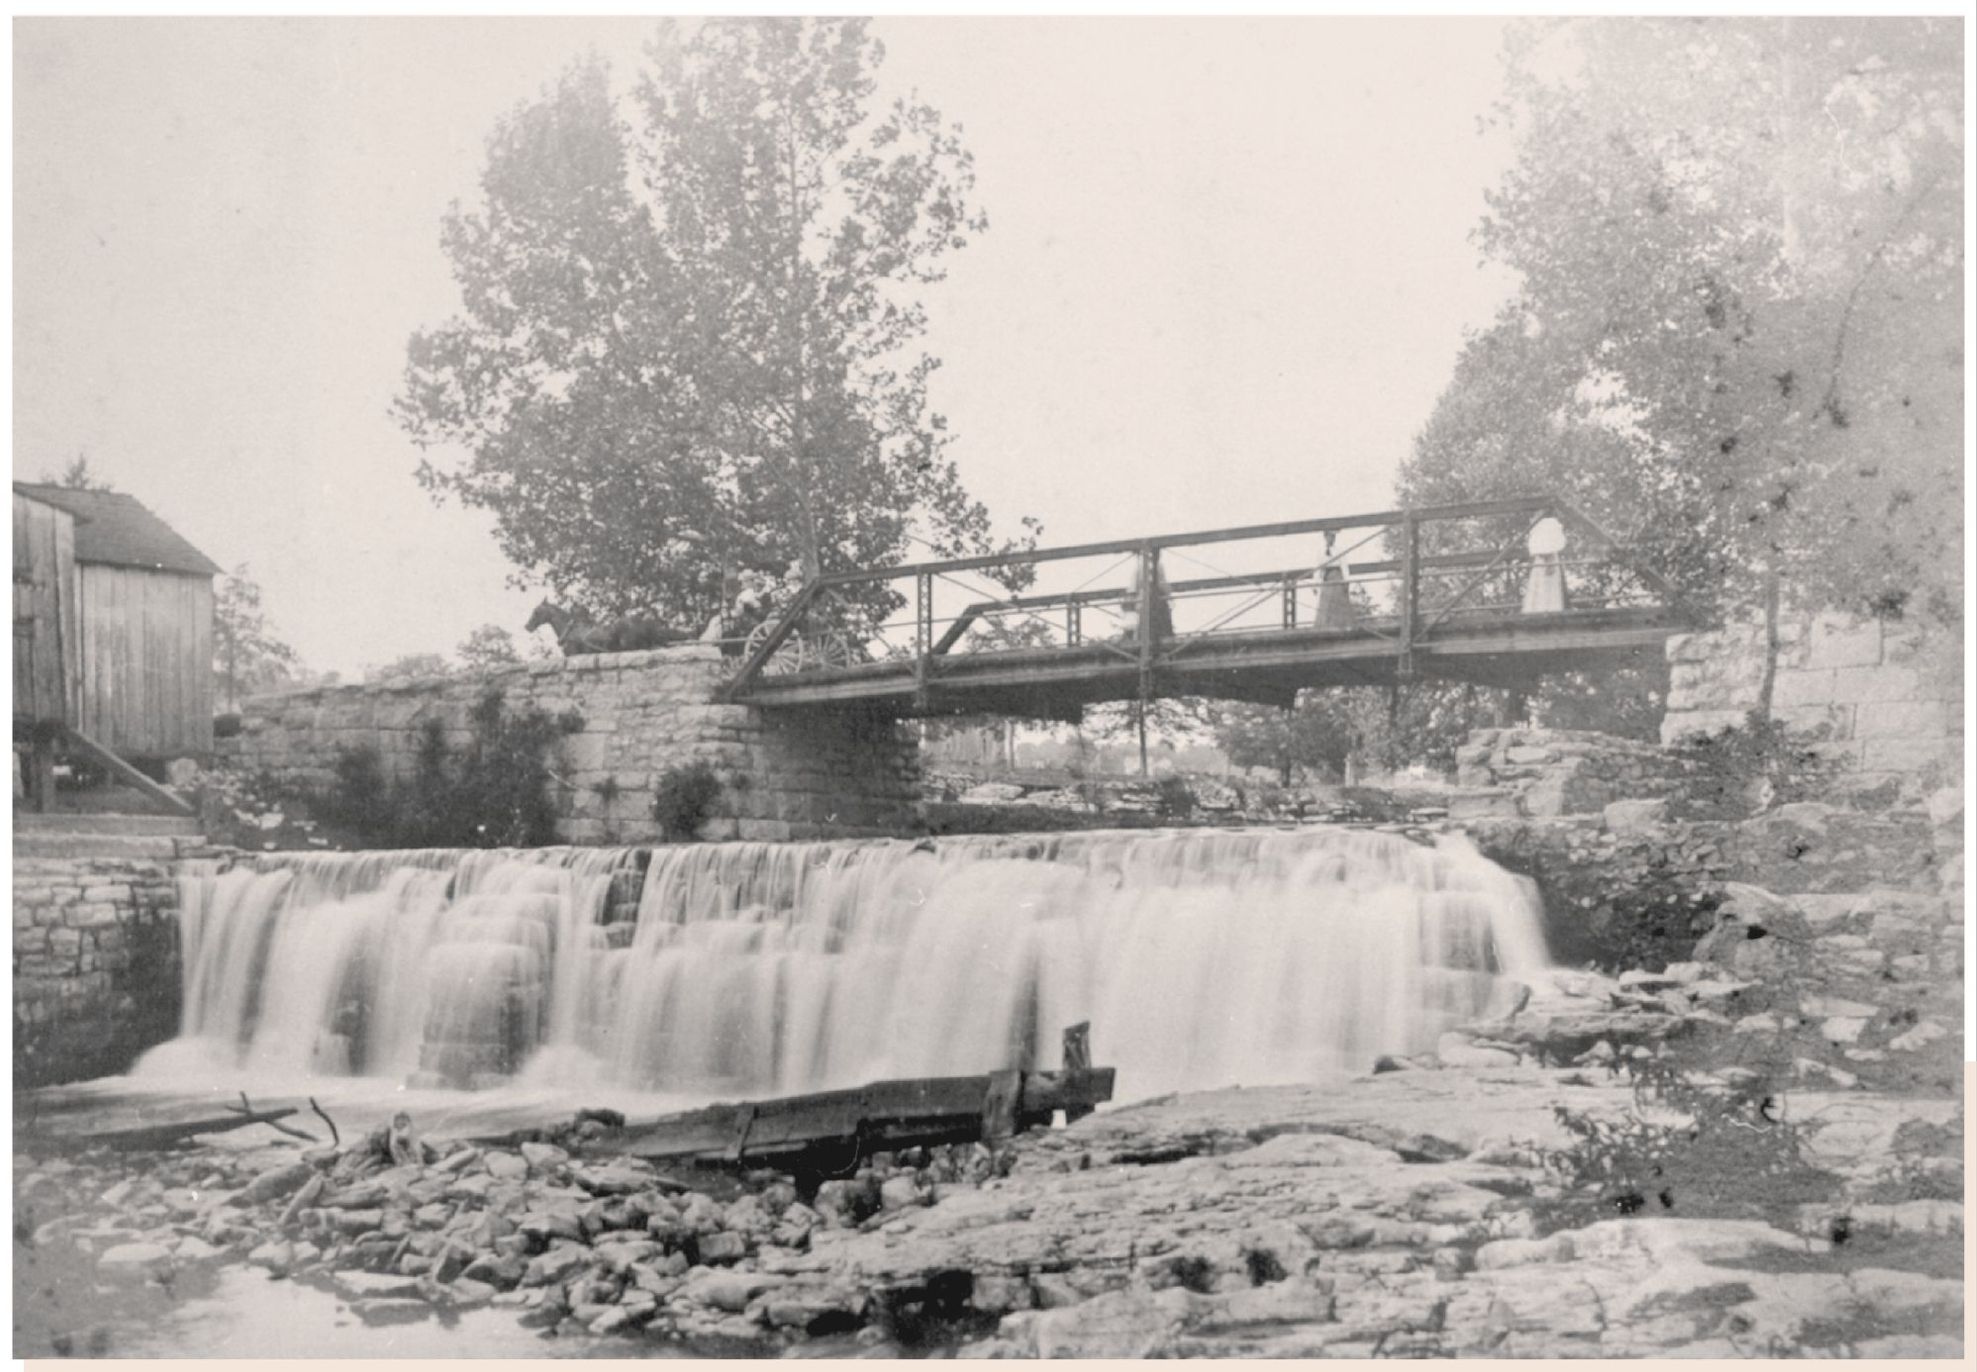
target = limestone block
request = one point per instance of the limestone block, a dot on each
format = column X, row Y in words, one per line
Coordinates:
column 1803, row 688
column 1902, row 719
column 1627, row 818
column 1715, row 644
column 90, row 915
column 587, row 752
column 1826, row 721
column 1861, row 684
column 1840, row 640
column 1687, row 724
column 1905, row 754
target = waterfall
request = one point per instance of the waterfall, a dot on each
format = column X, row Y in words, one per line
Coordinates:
column 1202, row 958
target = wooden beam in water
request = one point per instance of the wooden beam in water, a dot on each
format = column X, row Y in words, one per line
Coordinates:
column 883, row 1116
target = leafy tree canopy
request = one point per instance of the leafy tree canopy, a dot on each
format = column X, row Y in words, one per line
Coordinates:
column 488, row 646
column 248, row 654
column 1738, row 337
column 691, row 322
column 410, row 667
column 78, row 475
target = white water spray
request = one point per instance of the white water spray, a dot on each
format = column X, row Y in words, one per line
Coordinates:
column 1202, row 958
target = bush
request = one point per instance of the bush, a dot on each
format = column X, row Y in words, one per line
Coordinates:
column 1173, row 797
column 683, row 798
column 1746, row 768
column 496, row 793
column 361, row 797
column 1694, row 1144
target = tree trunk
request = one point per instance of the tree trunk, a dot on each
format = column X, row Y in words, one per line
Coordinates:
column 1768, row 681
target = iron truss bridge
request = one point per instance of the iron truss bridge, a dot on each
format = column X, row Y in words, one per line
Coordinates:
column 1497, row 593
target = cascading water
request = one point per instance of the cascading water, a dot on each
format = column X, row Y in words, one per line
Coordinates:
column 1202, row 958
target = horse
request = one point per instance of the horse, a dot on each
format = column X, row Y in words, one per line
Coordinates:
column 578, row 634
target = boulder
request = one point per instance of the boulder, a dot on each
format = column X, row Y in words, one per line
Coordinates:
column 1631, row 818
column 557, row 1264
column 134, row 1259
column 722, row 1247
column 277, row 1255
column 903, row 1192
column 275, row 1182
column 542, row 1157
column 612, row 1179
column 730, row 1291
column 506, row 1166
column 1757, row 936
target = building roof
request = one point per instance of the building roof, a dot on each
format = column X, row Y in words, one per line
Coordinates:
column 116, row 529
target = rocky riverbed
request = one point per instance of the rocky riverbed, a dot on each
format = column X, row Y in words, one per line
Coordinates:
column 1477, row 1201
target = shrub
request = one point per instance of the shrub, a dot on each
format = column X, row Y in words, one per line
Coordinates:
column 361, row 797
column 1173, row 797
column 494, row 793
column 1694, row 1144
column 1744, row 768
column 683, row 798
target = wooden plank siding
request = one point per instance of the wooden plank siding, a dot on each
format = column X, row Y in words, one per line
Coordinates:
column 47, row 683
column 146, row 660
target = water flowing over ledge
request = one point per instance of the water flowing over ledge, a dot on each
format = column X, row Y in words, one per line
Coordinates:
column 1203, row 958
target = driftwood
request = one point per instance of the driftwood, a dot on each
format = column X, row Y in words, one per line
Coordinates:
column 335, row 1138
column 167, row 1135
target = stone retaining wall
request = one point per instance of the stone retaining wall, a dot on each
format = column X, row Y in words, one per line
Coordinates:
column 96, row 974
column 1546, row 772
column 1882, row 699
column 784, row 775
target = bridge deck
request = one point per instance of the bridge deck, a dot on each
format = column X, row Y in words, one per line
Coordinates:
column 1416, row 615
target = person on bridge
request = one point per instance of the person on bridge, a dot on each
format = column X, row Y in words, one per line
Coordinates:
column 1334, row 599
column 1163, row 614
column 1544, row 584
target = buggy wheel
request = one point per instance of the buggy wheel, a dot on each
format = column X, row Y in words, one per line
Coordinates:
column 789, row 655
column 832, row 648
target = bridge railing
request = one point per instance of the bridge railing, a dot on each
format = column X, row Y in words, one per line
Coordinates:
column 1403, row 575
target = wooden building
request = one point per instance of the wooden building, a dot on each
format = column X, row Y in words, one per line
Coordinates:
column 113, row 626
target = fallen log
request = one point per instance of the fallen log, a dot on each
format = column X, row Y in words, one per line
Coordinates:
column 167, row 1135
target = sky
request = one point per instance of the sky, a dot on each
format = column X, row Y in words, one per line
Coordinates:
column 1227, row 273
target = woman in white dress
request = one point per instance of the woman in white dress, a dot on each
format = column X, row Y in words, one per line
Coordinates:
column 1334, row 599
column 1544, row 584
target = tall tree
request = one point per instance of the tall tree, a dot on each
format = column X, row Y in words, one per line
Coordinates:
column 692, row 322
column 488, row 646
column 1738, row 334
column 78, row 475
column 248, row 655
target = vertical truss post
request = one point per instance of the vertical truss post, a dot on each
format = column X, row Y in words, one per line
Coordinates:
column 1074, row 622
column 1410, row 593
column 1290, row 600
column 1149, row 569
column 923, row 636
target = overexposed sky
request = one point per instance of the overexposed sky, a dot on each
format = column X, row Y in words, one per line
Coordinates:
column 1226, row 274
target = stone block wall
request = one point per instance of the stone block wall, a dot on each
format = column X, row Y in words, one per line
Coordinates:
column 96, row 975
column 785, row 775
column 1547, row 772
column 1883, row 700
